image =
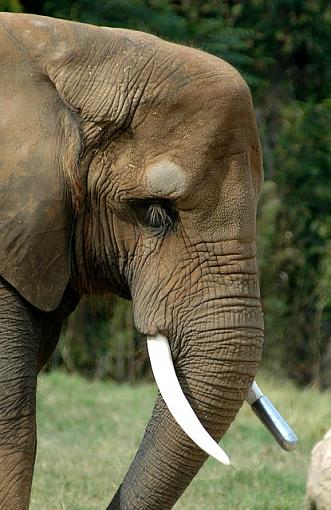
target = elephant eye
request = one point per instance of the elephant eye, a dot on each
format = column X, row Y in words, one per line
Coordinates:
column 160, row 216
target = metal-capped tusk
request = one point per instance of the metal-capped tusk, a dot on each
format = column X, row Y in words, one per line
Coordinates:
column 178, row 405
column 271, row 418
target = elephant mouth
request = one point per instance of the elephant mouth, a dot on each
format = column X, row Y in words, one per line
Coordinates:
column 181, row 410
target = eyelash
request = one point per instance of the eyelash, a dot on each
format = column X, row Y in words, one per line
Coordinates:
column 158, row 215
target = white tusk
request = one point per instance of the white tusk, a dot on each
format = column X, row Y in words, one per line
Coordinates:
column 178, row 405
column 254, row 394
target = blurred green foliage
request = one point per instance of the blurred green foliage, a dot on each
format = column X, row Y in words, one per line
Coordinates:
column 10, row 6
column 295, row 237
column 283, row 48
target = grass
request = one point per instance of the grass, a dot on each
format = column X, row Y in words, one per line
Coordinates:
column 89, row 432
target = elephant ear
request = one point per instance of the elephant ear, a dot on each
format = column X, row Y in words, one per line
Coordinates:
column 40, row 146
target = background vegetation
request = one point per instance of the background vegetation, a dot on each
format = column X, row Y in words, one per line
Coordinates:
column 283, row 48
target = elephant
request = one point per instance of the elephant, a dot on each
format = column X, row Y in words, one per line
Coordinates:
column 129, row 165
column 318, row 495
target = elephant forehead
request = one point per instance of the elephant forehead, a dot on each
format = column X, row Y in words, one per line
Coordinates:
column 166, row 178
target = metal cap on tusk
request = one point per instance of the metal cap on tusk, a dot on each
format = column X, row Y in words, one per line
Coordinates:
column 271, row 418
column 178, row 405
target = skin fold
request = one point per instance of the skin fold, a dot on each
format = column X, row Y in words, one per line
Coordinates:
column 128, row 165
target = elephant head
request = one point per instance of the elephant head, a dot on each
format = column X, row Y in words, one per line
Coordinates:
column 133, row 165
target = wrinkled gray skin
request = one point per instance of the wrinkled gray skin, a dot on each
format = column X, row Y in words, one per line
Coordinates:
column 128, row 165
column 318, row 495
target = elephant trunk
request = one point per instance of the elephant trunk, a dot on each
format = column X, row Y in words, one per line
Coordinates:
column 177, row 403
column 215, row 372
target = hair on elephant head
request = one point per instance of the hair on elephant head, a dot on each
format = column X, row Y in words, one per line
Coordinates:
column 129, row 165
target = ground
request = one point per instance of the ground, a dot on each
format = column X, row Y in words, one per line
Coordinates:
column 88, row 433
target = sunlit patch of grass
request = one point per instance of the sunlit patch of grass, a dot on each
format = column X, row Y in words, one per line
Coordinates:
column 87, row 435
column 89, row 432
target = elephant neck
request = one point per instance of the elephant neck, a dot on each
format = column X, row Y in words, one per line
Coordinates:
column 68, row 303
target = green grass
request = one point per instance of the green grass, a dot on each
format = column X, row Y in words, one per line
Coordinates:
column 89, row 432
